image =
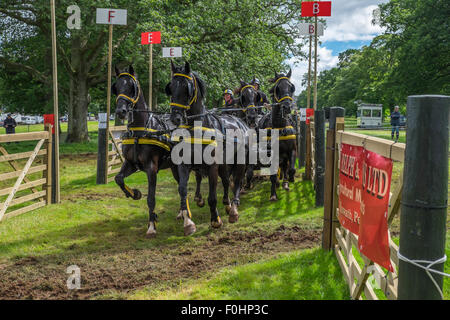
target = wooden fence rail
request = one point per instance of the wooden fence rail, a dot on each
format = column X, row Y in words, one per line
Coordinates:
column 115, row 156
column 15, row 192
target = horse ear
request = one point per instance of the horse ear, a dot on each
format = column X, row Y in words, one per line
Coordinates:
column 131, row 70
column 272, row 80
column 187, row 68
column 289, row 73
column 172, row 66
column 168, row 91
column 243, row 83
column 117, row 71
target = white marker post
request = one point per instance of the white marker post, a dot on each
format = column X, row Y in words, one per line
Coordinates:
column 150, row 38
column 110, row 17
column 308, row 29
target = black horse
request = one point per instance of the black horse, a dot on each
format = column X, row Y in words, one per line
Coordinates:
column 280, row 119
column 187, row 92
column 146, row 144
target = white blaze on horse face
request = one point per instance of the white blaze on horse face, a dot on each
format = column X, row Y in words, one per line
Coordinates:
column 74, row 20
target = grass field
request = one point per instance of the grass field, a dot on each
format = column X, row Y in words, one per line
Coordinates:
column 272, row 252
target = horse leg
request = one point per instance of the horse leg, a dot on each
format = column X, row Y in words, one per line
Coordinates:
column 249, row 176
column 198, row 196
column 284, row 171
column 152, row 172
column 213, row 174
column 226, row 184
column 177, row 178
column 127, row 170
column 238, row 174
column 189, row 225
column 273, row 189
column 292, row 165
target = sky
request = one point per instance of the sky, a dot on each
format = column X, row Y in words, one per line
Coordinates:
column 349, row 27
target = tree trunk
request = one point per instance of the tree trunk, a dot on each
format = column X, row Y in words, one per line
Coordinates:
column 78, row 103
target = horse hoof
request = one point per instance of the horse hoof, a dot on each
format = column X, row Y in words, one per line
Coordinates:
column 136, row 194
column 189, row 229
column 151, row 232
column 286, row 186
column 217, row 224
column 234, row 215
column 228, row 209
column 200, row 203
column 273, row 198
column 292, row 179
column 180, row 215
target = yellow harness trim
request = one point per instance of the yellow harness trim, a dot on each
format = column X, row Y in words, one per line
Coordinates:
column 146, row 129
column 148, row 141
column 287, row 127
column 183, row 126
column 182, row 75
column 287, row 97
column 247, row 86
column 290, row 137
column 172, row 104
column 196, row 140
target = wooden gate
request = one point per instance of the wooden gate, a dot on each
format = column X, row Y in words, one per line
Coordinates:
column 115, row 156
column 24, row 194
column 357, row 268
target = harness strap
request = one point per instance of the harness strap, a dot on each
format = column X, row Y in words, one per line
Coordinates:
column 146, row 141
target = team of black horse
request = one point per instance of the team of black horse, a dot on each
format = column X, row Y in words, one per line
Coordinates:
column 152, row 140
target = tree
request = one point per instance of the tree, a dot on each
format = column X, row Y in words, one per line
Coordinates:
column 223, row 40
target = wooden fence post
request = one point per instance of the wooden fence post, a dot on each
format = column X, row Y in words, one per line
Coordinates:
column 307, row 175
column 319, row 155
column 49, row 163
column 424, row 197
column 330, row 194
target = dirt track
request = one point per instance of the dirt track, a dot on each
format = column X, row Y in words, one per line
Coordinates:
column 45, row 278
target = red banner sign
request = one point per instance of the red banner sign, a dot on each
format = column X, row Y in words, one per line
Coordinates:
column 364, row 188
column 373, row 240
column 316, row 8
column 151, row 37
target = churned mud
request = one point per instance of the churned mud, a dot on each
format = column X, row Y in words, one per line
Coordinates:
column 46, row 278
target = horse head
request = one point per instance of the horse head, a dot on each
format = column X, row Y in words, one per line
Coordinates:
column 247, row 99
column 127, row 90
column 282, row 91
column 186, row 91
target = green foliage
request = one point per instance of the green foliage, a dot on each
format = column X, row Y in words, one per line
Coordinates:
column 224, row 41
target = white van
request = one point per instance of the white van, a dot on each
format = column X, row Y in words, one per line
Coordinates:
column 29, row 120
column 369, row 115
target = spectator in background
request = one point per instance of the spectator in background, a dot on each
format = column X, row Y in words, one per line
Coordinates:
column 10, row 124
column 395, row 123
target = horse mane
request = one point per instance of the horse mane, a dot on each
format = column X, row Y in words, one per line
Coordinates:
column 201, row 84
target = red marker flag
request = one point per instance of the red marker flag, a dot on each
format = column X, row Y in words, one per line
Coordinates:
column 151, row 37
column 316, row 8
